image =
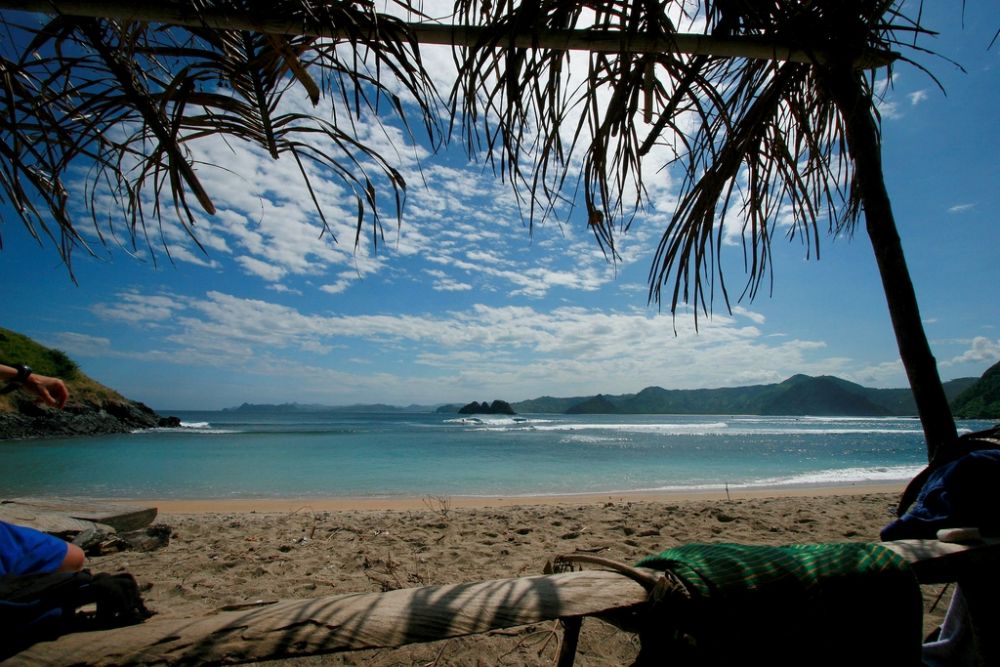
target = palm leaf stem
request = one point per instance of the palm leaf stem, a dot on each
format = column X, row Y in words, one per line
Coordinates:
column 604, row 41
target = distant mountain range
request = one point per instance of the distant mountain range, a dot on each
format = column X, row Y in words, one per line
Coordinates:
column 798, row 395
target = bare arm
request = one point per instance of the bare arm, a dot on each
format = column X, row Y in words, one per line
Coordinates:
column 51, row 390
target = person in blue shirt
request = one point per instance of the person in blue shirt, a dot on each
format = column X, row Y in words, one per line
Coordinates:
column 25, row 550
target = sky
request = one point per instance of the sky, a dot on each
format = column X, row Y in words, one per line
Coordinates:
column 464, row 301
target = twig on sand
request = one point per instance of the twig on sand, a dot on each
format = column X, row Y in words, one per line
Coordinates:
column 437, row 658
column 440, row 505
column 544, row 636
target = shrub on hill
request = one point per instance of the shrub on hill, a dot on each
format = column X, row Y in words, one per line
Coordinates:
column 982, row 399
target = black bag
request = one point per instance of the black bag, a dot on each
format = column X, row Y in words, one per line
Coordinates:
column 36, row 607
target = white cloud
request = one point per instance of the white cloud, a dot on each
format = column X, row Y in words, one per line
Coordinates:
column 756, row 318
column 336, row 288
column 184, row 254
column 278, row 287
column 514, row 351
column 449, row 285
column 884, row 374
column 961, row 208
column 980, row 349
column 917, row 97
column 136, row 308
column 886, row 106
column 261, row 269
column 82, row 345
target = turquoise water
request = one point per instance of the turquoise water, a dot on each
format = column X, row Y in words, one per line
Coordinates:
column 238, row 455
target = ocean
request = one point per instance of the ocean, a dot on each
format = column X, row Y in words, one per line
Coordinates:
column 231, row 454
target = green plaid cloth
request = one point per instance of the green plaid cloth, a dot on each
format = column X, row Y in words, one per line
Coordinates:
column 718, row 568
column 802, row 604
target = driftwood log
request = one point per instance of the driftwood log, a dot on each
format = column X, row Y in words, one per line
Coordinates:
column 296, row 628
column 345, row 622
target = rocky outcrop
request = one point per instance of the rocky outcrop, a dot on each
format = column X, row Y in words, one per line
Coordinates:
column 484, row 408
column 80, row 418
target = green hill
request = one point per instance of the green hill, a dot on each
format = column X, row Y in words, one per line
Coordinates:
column 982, row 399
column 548, row 404
column 598, row 405
column 820, row 396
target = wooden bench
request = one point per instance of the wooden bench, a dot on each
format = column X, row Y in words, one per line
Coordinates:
column 295, row 628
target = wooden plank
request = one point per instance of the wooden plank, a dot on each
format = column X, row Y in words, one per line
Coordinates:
column 121, row 517
column 344, row 622
column 46, row 521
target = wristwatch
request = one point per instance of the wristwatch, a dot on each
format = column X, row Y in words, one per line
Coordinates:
column 16, row 382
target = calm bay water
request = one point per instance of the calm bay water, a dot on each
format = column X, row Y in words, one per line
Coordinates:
column 241, row 455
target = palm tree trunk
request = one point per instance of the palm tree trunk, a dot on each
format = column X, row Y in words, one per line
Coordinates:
column 864, row 145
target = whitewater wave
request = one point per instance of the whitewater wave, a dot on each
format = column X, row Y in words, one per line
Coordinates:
column 834, row 477
column 825, row 431
column 841, row 476
column 593, row 439
column 190, row 428
column 491, row 421
column 706, row 428
column 724, row 428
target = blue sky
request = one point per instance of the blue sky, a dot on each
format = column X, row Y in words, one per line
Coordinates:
column 462, row 302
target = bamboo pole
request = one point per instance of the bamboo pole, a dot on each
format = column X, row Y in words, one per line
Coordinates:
column 344, row 622
column 604, row 41
column 936, row 562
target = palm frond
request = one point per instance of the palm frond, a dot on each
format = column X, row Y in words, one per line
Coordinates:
column 771, row 144
column 135, row 98
column 515, row 99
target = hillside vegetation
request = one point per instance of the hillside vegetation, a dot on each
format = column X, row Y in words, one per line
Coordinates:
column 981, row 400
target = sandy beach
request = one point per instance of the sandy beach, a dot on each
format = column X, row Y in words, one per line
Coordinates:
column 232, row 552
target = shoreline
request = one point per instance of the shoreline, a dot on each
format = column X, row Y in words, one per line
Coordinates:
column 361, row 503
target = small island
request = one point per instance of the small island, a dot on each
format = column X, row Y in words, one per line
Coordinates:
column 484, row 408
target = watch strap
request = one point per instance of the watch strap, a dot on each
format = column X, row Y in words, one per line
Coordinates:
column 16, row 382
